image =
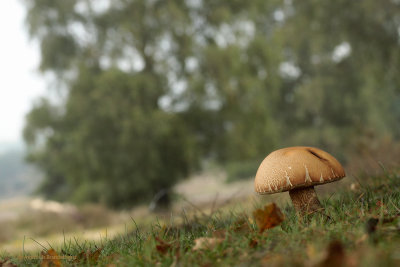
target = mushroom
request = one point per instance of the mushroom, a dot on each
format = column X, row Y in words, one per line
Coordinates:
column 298, row 170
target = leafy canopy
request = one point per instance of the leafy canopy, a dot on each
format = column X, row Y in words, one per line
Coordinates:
column 152, row 87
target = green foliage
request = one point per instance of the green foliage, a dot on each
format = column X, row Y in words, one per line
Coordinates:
column 111, row 144
column 51, row 58
column 152, row 87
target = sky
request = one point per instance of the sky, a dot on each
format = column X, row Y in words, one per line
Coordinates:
column 20, row 82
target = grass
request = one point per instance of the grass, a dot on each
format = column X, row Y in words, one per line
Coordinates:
column 37, row 222
column 359, row 227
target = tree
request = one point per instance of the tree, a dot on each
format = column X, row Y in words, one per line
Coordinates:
column 347, row 54
column 109, row 141
column 152, row 87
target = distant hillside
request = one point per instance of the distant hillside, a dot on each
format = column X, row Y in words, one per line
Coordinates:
column 16, row 177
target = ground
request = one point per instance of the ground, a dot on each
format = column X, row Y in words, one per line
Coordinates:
column 227, row 224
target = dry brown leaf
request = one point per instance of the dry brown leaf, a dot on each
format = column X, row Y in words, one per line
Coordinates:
column 94, row 256
column 314, row 255
column 241, row 226
column 220, row 233
column 362, row 239
column 227, row 252
column 162, row 246
column 178, row 250
column 50, row 259
column 7, row 263
column 311, row 251
column 272, row 260
column 390, row 219
column 88, row 256
column 112, row 259
column 268, row 217
column 335, row 255
column 207, row 243
column 253, row 243
column 113, row 256
column 244, row 256
column 371, row 225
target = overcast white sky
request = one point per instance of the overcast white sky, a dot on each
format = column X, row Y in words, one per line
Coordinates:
column 20, row 83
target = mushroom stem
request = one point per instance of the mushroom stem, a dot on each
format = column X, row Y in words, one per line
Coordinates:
column 305, row 200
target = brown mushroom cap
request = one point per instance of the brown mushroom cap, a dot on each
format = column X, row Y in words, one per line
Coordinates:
column 296, row 167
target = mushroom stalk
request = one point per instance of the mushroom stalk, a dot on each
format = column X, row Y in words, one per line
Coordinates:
column 305, row 200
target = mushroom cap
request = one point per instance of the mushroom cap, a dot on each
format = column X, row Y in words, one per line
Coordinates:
column 294, row 167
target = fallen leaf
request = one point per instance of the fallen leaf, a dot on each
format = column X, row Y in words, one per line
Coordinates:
column 244, row 256
column 113, row 256
column 88, row 256
column 227, row 252
column 220, row 233
column 241, row 226
column 7, row 263
column 335, row 255
column 162, row 246
column 50, row 258
column 253, row 243
column 362, row 239
column 390, row 219
column 268, row 217
column 370, row 226
column 112, row 259
column 207, row 243
column 311, row 251
column 272, row 260
column 177, row 252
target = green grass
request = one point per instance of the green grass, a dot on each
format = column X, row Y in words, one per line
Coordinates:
column 364, row 223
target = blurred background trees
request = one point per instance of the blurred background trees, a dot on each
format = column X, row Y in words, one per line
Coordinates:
column 149, row 89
